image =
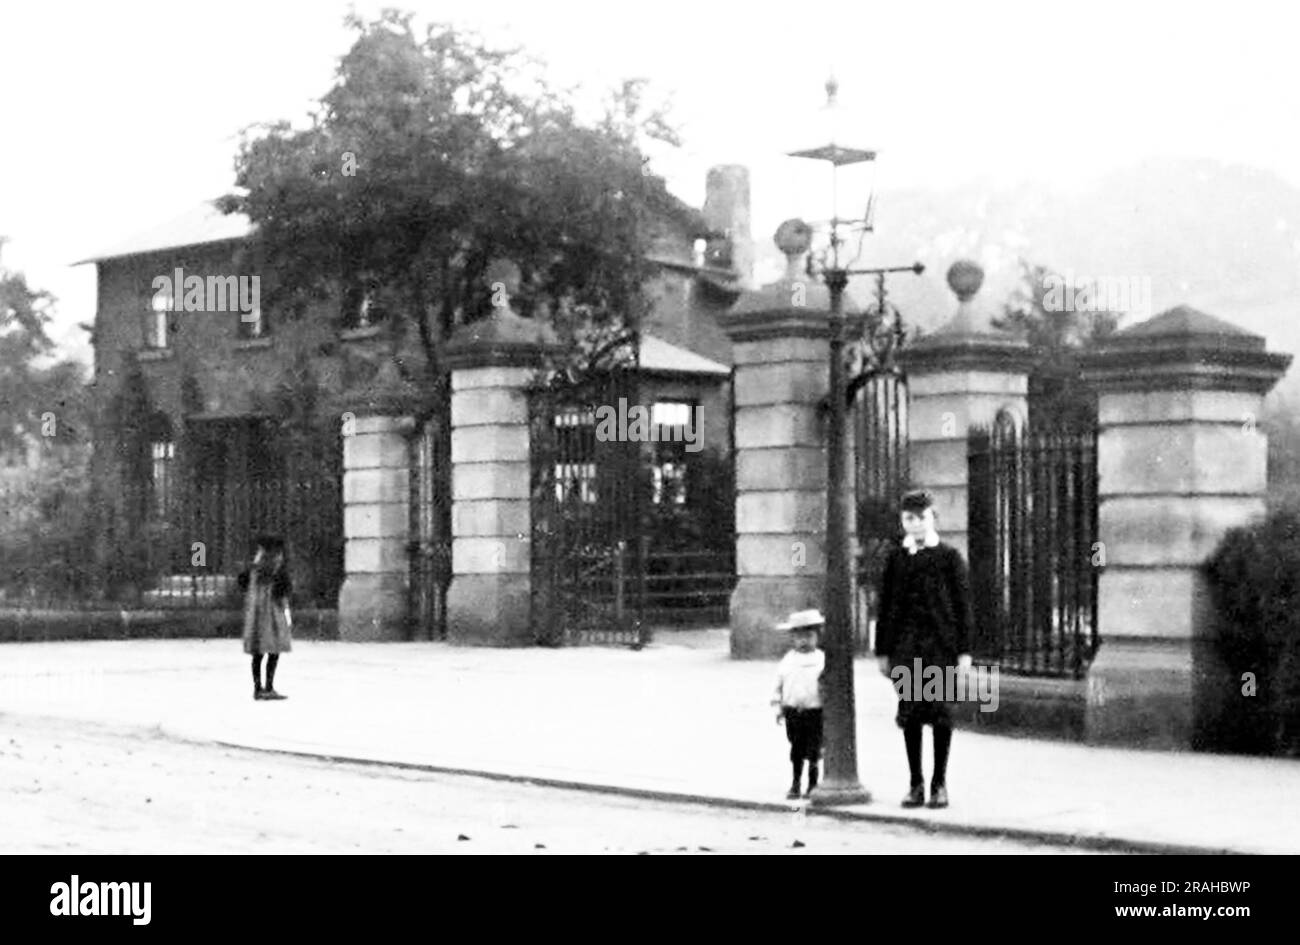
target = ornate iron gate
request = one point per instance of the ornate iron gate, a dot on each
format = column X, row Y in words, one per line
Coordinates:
column 429, row 549
column 1033, row 528
column 588, row 502
column 880, row 435
column 239, row 478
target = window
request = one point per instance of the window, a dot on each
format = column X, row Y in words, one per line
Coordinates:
column 575, row 467
column 362, row 305
column 163, row 454
column 670, row 414
column 672, row 421
column 698, row 251
column 575, row 482
column 155, row 332
column 669, row 482
column 252, row 324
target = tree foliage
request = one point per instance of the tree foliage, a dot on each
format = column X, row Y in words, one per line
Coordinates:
column 43, row 401
column 1057, row 333
column 433, row 155
column 1254, row 586
column 45, row 541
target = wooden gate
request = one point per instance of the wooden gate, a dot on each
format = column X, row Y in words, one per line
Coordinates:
column 1033, row 532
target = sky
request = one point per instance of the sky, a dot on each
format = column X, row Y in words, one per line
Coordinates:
column 121, row 116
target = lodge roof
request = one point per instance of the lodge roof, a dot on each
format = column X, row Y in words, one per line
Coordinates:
column 662, row 356
column 199, row 225
column 204, row 224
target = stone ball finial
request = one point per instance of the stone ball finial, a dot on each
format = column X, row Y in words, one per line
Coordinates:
column 793, row 237
column 965, row 278
column 506, row 272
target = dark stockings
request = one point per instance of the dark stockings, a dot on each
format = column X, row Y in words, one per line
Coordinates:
column 942, row 742
column 272, row 659
column 912, row 739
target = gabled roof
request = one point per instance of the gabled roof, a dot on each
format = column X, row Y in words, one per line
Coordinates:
column 202, row 224
column 660, row 355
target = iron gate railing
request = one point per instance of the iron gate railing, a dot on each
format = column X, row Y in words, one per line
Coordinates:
column 298, row 495
column 301, row 499
column 1032, row 534
column 588, row 495
column 880, row 434
column 429, row 550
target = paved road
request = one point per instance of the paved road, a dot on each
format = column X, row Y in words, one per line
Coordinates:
column 72, row 786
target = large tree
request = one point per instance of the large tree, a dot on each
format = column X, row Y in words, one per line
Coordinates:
column 431, row 156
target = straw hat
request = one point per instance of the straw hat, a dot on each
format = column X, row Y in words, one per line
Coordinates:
column 802, row 620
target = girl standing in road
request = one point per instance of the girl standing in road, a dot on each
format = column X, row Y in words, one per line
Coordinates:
column 268, row 622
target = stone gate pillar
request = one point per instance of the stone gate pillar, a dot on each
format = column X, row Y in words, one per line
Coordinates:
column 374, row 598
column 1180, row 462
column 492, row 363
column 962, row 374
column 780, row 337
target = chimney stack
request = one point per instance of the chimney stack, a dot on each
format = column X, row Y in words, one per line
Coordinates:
column 726, row 211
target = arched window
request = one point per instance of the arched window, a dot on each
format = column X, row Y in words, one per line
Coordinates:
column 155, row 321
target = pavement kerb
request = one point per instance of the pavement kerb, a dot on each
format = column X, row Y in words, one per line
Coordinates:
column 938, row 826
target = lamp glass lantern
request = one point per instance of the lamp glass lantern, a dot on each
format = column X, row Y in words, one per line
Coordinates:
column 839, row 176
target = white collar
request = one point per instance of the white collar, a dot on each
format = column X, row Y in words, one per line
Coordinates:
column 931, row 539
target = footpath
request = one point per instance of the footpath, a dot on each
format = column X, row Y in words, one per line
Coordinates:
column 677, row 720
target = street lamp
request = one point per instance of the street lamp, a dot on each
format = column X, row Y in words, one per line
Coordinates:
column 840, row 784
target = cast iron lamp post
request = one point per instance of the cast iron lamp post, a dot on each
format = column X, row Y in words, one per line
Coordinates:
column 840, row 784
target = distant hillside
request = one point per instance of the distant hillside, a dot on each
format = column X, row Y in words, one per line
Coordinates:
column 1222, row 238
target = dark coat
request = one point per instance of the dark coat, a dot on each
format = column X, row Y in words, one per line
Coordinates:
column 925, row 606
column 281, row 585
column 268, row 624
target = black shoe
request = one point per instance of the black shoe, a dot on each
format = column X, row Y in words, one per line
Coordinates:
column 259, row 693
column 813, row 781
column 938, row 796
column 915, row 797
column 793, row 794
column 271, row 694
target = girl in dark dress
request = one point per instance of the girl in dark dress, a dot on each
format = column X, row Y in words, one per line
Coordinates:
column 925, row 614
column 268, row 622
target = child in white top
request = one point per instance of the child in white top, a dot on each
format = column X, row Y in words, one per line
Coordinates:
column 798, row 696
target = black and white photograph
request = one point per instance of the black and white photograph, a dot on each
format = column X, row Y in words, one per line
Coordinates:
column 510, row 428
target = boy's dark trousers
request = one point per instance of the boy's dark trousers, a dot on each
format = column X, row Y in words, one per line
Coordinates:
column 804, row 729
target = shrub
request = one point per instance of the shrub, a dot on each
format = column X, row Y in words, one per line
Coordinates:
column 47, row 546
column 1254, row 579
